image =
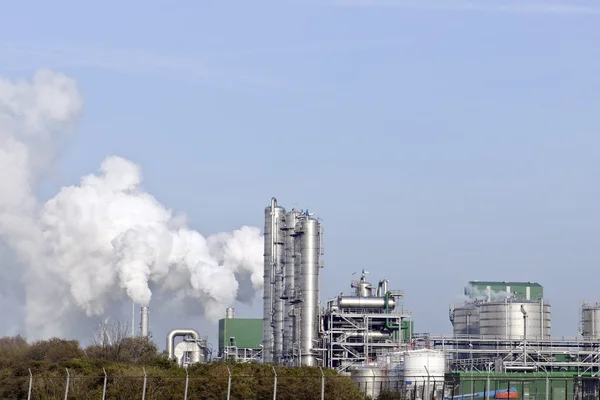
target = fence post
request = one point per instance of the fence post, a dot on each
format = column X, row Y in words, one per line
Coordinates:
column 322, row 384
column 274, row 384
column 67, row 386
column 187, row 381
column 229, row 384
column 30, row 384
column 144, row 389
column 104, row 386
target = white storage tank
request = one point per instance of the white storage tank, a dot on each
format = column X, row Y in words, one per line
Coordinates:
column 590, row 316
column 424, row 371
column 370, row 379
column 505, row 320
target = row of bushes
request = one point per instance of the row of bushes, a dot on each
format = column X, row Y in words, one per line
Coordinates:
column 125, row 362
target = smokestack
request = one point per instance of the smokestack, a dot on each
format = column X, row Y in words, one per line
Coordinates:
column 229, row 313
column 144, row 321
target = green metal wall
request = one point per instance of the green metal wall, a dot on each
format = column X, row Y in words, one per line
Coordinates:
column 247, row 332
column 528, row 385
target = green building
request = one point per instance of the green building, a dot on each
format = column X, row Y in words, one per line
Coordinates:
column 491, row 290
column 240, row 338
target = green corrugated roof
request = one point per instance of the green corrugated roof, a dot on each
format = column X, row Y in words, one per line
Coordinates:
column 504, row 283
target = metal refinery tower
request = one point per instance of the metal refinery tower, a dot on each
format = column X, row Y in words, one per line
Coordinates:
column 292, row 257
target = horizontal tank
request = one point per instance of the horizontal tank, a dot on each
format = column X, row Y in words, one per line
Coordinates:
column 365, row 302
column 465, row 320
column 504, row 320
column 590, row 315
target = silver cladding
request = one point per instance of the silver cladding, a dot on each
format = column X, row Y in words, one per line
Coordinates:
column 504, row 320
column 271, row 299
column 358, row 302
column 465, row 321
column 307, row 265
column 291, row 218
column 590, row 316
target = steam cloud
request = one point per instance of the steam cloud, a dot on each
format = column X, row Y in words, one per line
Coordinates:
column 105, row 238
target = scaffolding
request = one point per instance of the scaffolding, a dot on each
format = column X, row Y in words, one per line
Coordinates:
column 357, row 336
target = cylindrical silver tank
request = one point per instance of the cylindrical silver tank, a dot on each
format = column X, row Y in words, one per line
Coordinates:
column 364, row 302
column 291, row 219
column 229, row 313
column 465, row 320
column 272, row 304
column 369, row 378
column 504, row 320
column 364, row 289
column 590, row 315
column 308, row 242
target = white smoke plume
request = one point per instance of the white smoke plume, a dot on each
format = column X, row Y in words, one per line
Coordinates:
column 105, row 238
column 473, row 293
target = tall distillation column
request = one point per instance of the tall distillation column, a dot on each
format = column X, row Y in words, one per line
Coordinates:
column 307, row 269
column 273, row 283
column 291, row 219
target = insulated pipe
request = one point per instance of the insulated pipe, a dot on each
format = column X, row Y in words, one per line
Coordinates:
column 365, row 302
column 388, row 323
column 175, row 333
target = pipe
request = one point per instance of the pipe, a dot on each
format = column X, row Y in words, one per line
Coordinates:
column 388, row 324
column 229, row 313
column 179, row 333
column 382, row 288
column 144, row 321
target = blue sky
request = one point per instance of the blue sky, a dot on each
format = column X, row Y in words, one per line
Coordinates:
column 440, row 141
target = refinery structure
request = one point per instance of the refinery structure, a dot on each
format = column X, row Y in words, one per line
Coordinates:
column 501, row 344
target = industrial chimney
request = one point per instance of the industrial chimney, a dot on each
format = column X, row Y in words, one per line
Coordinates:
column 144, row 322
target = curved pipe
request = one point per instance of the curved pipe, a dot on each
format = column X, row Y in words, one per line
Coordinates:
column 175, row 333
column 388, row 323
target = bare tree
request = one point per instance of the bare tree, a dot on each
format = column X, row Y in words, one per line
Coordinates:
column 112, row 342
column 110, row 333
